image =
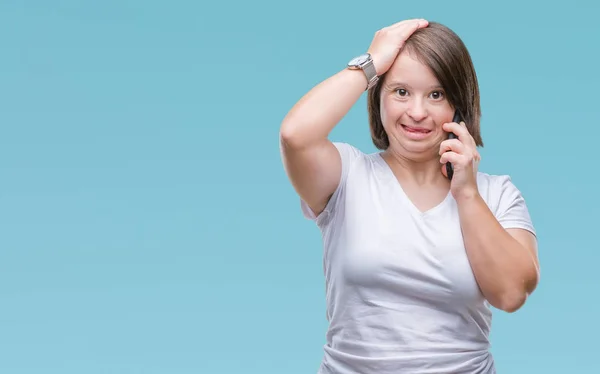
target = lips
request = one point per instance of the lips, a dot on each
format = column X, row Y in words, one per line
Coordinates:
column 414, row 129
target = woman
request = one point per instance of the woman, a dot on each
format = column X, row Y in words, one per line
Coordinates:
column 413, row 259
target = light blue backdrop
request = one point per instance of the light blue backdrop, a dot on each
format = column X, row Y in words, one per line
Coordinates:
column 146, row 223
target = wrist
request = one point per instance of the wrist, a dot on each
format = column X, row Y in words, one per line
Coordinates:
column 365, row 64
column 355, row 79
column 467, row 195
column 377, row 63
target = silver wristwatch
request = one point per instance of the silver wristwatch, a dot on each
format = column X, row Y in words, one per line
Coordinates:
column 365, row 63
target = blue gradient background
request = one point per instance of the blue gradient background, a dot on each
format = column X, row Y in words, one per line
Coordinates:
column 146, row 223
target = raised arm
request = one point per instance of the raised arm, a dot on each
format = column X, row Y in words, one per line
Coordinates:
column 311, row 161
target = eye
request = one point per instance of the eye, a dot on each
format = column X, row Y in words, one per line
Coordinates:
column 437, row 95
column 402, row 92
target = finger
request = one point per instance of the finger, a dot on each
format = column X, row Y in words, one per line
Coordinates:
column 452, row 157
column 460, row 131
column 416, row 21
column 407, row 29
column 470, row 137
column 454, row 145
column 467, row 155
column 394, row 26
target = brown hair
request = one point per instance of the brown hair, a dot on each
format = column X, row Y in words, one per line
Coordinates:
column 446, row 55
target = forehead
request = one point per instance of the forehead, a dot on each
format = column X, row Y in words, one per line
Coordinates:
column 408, row 69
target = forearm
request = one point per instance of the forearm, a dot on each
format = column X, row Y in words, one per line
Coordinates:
column 322, row 108
column 505, row 270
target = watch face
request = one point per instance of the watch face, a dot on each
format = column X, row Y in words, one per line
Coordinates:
column 359, row 60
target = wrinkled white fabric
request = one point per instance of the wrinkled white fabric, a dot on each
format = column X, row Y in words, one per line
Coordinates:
column 401, row 295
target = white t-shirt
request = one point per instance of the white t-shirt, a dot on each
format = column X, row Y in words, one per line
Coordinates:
column 401, row 296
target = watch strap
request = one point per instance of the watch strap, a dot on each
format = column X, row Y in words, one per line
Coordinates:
column 371, row 73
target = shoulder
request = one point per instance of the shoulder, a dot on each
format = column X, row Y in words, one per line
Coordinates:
column 493, row 181
column 351, row 153
column 505, row 200
column 351, row 156
column 348, row 152
column 356, row 167
column 496, row 188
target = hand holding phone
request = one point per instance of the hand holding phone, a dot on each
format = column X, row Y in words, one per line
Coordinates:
column 458, row 119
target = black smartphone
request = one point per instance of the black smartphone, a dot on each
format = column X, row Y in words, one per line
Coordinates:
column 458, row 119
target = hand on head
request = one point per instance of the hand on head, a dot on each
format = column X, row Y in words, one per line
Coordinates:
column 388, row 42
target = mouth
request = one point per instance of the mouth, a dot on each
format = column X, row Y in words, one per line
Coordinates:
column 415, row 132
column 415, row 129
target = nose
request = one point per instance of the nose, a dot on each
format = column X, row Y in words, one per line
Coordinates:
column 417, row 110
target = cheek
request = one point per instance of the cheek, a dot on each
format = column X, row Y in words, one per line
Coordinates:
column 441, row 115
column 391, row 110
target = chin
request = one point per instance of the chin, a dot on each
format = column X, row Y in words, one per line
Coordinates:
column 418, row 151
column 424, row 148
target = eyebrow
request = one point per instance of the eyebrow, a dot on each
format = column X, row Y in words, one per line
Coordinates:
column 398, row 83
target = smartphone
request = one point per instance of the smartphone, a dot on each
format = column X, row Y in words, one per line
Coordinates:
column 458, row 119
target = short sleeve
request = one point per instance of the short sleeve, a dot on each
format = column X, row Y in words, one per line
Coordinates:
column 348, row 154
column 512, row 210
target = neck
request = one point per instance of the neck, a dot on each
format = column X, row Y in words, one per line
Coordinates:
column 421, row 171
